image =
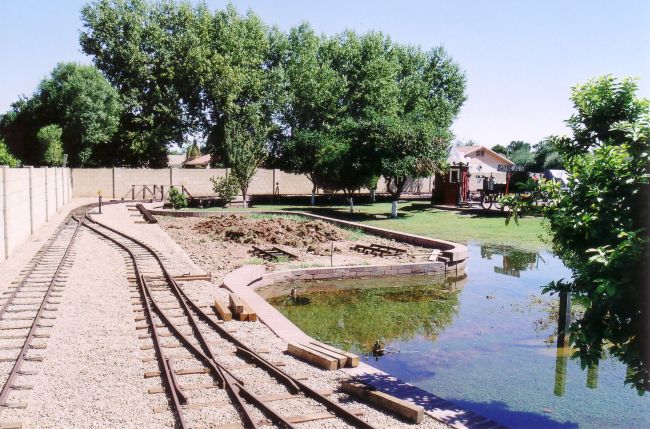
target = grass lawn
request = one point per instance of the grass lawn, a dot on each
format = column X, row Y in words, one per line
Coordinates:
column 419, row 218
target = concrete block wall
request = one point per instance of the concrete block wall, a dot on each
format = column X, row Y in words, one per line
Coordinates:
column 28, row 198
column 118, row 182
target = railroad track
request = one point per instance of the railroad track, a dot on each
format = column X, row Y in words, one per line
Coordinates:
column 26, row 309
column 224, row 374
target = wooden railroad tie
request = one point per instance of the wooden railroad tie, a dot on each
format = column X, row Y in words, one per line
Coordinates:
column 273, row 254
column 378, row 250
column 323, row 355
column 404, row 409
column 240, row 309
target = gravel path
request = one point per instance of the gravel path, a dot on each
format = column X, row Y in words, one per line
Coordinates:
column 92, row 373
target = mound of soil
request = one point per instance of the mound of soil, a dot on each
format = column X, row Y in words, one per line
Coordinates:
column 263, row 231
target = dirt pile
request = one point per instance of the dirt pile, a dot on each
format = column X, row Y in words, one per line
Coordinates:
column 263, row 231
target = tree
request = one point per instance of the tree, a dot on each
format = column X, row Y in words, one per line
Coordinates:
column 6, row 158
column 414, row 142
column 500, row 149
column 600, row 225
column 81, row 102
column 362, row 106
column 146, row 51
column 49, row 138
column 245, row 151
column 192, row 152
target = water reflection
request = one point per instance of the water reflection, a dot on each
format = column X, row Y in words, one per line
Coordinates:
column 513, row 261
column 488, row 344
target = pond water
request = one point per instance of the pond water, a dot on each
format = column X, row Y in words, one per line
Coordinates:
column 485, row 342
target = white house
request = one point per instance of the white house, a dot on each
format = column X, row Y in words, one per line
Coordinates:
column 483, row 162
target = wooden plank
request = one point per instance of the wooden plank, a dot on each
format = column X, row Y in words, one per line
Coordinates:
column 303, row 418
column 236, row 304
column 319, row 359
column 407, row 410
column 339, row 357
column 222, row 311
column 352, row 361
column 184, row 371
column 194, row 406
column 185, row 387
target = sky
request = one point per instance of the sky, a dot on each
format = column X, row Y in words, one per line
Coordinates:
column 521, row 57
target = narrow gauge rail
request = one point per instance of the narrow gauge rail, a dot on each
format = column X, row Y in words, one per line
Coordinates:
column 157, row 288
column 25, row 304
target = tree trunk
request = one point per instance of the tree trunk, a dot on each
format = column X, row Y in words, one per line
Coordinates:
column 399, row 183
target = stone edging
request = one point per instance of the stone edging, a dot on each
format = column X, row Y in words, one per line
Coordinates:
column 245, row 280
column 457, row 253
column 350, row 271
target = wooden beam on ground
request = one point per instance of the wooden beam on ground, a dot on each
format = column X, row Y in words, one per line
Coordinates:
column 321, row 360
column 384, row 401
column 222, row 311
column 352, row 359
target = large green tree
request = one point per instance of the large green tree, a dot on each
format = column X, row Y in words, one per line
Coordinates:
column 362, row 106
column 600, row 227
column 141, row 48
column 81, row 102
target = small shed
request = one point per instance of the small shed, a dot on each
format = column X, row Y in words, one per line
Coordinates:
column 452, row 187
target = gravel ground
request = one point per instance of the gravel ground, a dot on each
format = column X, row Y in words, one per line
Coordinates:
column 92, row 373
column 11, row 267
column 257, row 335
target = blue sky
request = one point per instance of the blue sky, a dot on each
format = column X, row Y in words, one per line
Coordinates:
column 521, row 57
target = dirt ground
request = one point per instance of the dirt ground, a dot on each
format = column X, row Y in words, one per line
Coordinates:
column 224, row 242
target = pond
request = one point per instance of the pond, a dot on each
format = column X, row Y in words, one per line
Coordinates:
column 485, row 342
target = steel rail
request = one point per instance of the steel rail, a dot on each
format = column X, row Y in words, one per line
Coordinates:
column 228, row 380
column 280, row 375
column 163, row 362
column 41, row 253
column 8, row 385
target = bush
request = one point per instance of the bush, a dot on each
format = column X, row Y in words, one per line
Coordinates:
column 50, row 139
column 177, row 198
column 6, row 158
column 226, row 188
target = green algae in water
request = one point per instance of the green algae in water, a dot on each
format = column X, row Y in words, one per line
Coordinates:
column 354, row 319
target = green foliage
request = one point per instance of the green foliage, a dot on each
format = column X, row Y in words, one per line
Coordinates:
column 225, row 187
column 177, row 198
column 49, row 138
column 537, row 158
column 79, row 100
column 599, row 225
column 245, row 149
column 6, row 158
column 192, row 152
column 362, row 106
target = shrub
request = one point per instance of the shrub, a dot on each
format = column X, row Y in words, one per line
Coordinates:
column 226, row 188
column 50, row 139
column 6, row 158
column 177, row 198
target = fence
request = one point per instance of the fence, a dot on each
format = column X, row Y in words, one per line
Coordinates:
column 128, row 183
column 29, row 196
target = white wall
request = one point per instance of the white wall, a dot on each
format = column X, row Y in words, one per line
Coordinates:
column 28, row 198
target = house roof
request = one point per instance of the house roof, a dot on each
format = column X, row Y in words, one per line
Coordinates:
column 200, row 160
column 467, row 150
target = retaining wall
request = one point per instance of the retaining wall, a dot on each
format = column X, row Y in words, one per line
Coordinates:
column 349, row 272
column 28, row 197
column 119, row 182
